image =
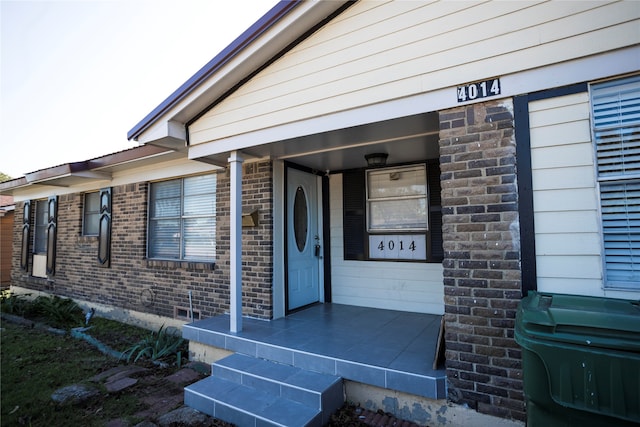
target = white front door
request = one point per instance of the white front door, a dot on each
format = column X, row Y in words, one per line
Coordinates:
column 304, row 253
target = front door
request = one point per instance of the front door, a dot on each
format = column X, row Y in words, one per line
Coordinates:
column 304, row 253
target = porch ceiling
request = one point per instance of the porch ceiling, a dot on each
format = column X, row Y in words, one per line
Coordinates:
column 405, row 139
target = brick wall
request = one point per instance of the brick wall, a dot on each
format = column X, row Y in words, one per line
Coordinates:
column 6, row 244
column 482, row 275
column 153, row 286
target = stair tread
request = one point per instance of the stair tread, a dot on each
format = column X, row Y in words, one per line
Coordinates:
column 249, row 400
column 278, row 372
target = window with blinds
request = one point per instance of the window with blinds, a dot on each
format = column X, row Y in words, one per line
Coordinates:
column 616, row 122
column 91, row 214
column 182, row 219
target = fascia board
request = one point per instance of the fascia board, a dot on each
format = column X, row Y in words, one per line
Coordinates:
column 270, row 42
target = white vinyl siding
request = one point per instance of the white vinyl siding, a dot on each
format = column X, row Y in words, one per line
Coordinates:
column 616, row 121
column 380, row 51
column 415, row 287
column 568, row 244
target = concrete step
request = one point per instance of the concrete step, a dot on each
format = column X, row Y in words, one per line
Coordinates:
column 248, row 391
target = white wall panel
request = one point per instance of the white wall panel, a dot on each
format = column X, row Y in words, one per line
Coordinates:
column 564, row 178
column 568, row 267
column 568, row 241
column 563, row 153
column 574, row 286
column 416, row 287
column 381, row 51
column 552, row 221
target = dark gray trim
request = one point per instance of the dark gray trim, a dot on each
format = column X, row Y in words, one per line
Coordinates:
column 104, row 228
column 231, row 51
column 25, row 236
column 525, row 193
column 558, row 91
column 525, row 177
column 52, row 234
column 326, row 241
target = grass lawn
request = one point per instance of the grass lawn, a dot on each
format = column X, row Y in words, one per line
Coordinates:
column 35, row 363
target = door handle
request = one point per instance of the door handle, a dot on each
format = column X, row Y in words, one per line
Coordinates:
column 317, row 251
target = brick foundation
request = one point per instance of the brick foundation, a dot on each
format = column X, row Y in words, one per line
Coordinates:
column 482, row 275
column 154, row 286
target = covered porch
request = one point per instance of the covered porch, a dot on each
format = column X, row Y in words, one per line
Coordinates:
column 389, row 349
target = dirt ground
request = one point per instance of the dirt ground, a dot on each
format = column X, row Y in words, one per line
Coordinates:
column 159, row 392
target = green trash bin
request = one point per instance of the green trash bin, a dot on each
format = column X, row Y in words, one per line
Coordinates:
column 580, row 360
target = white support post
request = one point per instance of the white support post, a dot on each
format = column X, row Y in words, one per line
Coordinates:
column 235, row 166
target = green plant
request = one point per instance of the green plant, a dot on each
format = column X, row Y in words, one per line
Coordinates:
column 13, row 303
column 157, row 346
column 60, row 311
column 36, row 363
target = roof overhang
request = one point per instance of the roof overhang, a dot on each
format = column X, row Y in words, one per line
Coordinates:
column 98, row 169
column 281, row 27
column 5, row 210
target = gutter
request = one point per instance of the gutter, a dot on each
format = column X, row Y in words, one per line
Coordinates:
column 238, row 45
column 90, row 169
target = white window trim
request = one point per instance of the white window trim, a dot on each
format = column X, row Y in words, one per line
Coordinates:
column 39, row 228
column 370, row 199
column 608, row 179
column 182, row 217
column 96, row 214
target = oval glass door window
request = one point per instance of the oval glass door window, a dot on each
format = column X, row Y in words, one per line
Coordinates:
column 300, row 218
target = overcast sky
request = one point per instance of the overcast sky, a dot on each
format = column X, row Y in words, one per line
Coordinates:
column 77, row 75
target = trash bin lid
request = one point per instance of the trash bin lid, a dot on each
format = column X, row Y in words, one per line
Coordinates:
column 590, row 321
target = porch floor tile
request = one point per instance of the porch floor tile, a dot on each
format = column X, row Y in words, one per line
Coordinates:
column 375, row 346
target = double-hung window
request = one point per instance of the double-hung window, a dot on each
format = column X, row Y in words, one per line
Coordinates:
column 397, row 199
column 616, row 130
column 45, row 236
column 91, row 214
column 393, row 213
column 40, row 236
column 182, row 219
column 397, row 212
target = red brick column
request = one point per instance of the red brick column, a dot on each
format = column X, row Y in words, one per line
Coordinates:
column 482, row 276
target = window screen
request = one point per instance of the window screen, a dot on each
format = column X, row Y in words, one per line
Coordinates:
column 182, row 219
column 356, row 235
column 91, row 214
column 41, row 220
column 616, row 122
column 397, row 199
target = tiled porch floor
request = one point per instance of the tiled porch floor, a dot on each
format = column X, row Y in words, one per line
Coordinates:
column 385, row 348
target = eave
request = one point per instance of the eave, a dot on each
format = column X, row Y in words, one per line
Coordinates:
column 276, row 31
column 97, row 169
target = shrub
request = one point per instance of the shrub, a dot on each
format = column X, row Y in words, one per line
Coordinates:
column 157, row 346
column 59, row 311
column 14, row 304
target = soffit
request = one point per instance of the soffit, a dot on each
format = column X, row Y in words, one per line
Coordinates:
column 97, row 169
column 405, row 139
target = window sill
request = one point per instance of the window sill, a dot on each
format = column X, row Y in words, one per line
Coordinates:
column 175, row 264
column 87, row 239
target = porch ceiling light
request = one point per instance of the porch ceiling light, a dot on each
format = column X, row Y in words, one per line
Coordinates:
column 376, row 159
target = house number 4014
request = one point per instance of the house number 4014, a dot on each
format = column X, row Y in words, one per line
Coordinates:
column 478, row 90
column 398, row 246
